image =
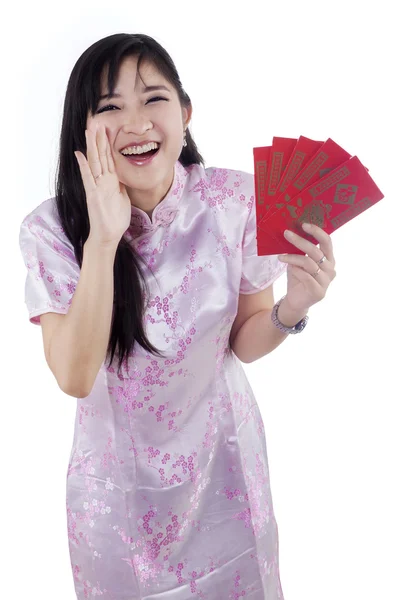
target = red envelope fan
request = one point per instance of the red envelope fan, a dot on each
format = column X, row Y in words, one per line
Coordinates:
column 303, row 152
column 331, row 202
column 329, row 157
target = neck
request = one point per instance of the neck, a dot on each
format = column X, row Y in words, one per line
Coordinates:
column 147, row 200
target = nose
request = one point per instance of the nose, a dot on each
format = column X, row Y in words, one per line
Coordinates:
column 137, row 123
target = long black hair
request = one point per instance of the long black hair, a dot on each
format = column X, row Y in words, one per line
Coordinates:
column 82, row 97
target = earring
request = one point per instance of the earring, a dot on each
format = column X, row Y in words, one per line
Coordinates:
column 184, row 139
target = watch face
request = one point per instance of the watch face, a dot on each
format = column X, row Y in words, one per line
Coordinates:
column 301, row 324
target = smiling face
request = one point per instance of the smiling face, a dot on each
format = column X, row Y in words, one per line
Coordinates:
column 142, row 112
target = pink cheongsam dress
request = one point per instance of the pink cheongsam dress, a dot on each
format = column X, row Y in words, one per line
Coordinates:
column 168, row 493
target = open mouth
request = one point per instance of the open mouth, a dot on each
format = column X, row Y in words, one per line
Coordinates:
column 143, row 158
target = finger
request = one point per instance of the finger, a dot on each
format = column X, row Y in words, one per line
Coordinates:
column 309, row 265
column 325, row 240
column 101, row 140
column 87, row 176
column 110, row 160
column 309, row 247
column 303, row 262
column 300, row 242
column 93, row 153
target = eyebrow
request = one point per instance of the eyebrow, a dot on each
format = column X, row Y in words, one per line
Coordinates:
column 151, row 88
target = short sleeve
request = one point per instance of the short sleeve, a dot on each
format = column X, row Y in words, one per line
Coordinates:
column 52, row 270
column 258, row 272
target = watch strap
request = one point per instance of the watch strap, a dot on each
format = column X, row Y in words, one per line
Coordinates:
column 292, row 330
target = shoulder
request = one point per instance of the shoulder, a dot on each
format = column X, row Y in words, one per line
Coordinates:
column 220, row 178
column 42, row 225
column 44, row 215
column 229, row 189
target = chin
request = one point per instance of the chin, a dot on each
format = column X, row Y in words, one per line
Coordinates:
column 137, row 181
column 146, row 179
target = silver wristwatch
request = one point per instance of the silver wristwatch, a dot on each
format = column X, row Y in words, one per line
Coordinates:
column 296, row 329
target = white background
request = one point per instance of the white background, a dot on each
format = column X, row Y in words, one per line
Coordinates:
column 329, row 397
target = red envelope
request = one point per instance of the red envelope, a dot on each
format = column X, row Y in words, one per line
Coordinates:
column 281, row 151
column 266, row 244
column 329, row 157
column 302, row 153
column 261, row 160
column 269, row 165
column 331, row 202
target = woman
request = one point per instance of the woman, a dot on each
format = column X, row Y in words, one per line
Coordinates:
column 147, row 259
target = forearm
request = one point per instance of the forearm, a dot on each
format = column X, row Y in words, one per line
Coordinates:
column 78, row 347
column 258, row 335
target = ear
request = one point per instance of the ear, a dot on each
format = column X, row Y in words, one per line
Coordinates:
column 186, row 115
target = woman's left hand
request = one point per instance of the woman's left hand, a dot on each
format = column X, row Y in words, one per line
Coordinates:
column 307, row 278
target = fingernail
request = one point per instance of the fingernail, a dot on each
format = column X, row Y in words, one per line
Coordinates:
column 306, row 226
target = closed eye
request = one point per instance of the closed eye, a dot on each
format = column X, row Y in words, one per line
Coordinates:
column 157, row 98
column 105, row 108
column 109, row 106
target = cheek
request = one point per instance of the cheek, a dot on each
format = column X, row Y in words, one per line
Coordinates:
column 175, row 132
column 170, row 121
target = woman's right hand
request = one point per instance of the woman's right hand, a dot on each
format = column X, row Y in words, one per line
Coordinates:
column 108, row 203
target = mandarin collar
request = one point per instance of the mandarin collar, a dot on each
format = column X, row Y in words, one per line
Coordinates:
column 165, row 212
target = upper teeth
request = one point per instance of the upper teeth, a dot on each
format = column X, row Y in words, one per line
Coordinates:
column 140, row 149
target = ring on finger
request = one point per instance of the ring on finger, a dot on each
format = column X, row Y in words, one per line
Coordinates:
column 98, row 176
column 316, row 272
column 319, row 262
